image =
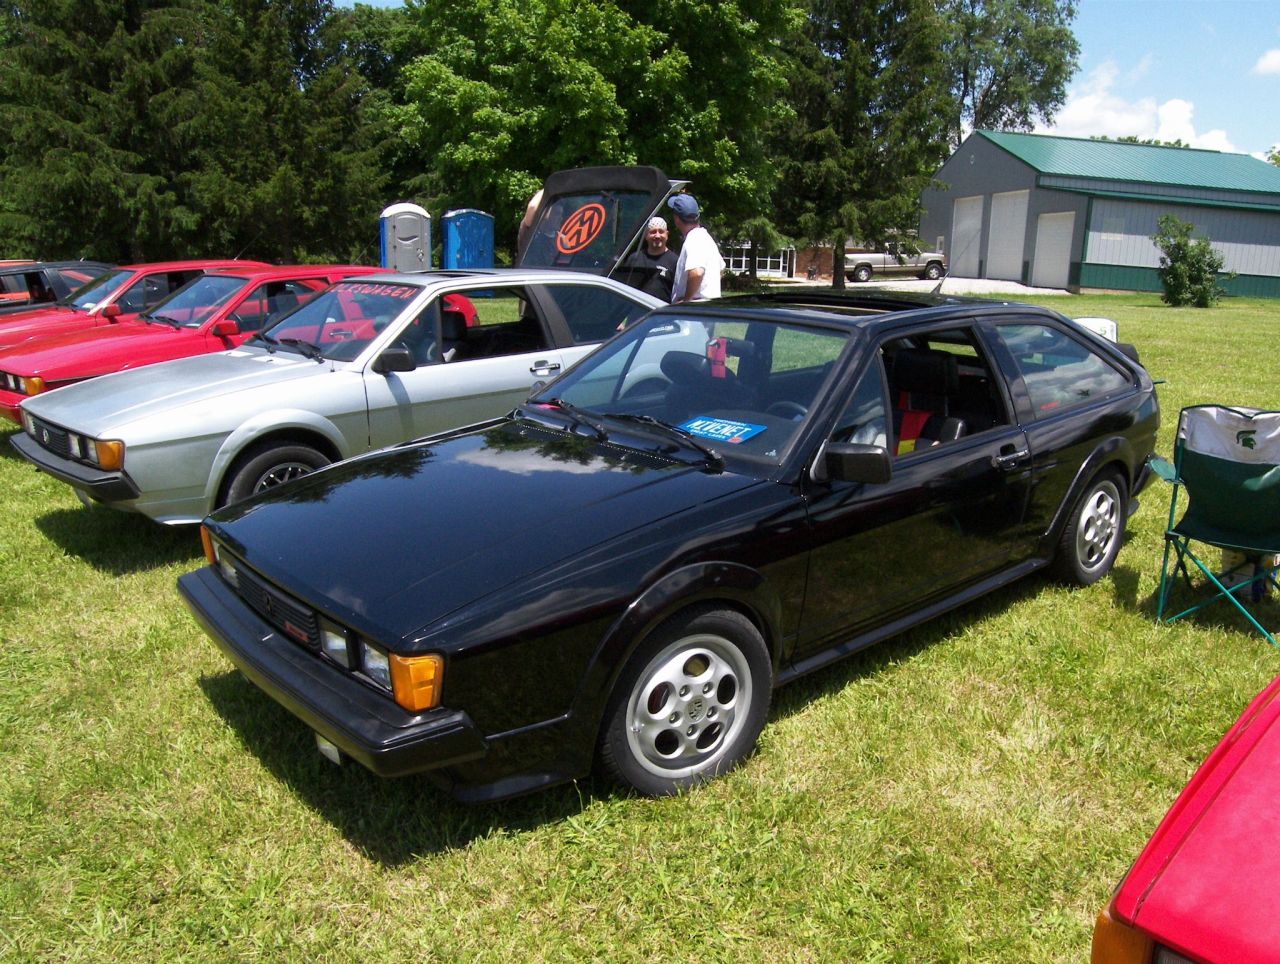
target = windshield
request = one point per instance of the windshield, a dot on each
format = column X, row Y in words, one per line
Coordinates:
column 342, row 321
column 195, row 301
column 741, row 388
column 89, row 296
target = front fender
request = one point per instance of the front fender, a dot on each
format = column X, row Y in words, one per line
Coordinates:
column 701, row 583
column 272, row 423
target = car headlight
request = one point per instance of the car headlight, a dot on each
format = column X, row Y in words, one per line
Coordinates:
column 415, row 682
column 213, row 553
column 28, row 423
column 376, row 664
column 333, row 643
column 104, row 453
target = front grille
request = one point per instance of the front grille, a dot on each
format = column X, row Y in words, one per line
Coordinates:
column 287, row 614
column 51, row 437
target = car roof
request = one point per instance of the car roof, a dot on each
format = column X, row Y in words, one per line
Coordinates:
column 847, row 310
column 279, row 271
column 193, row 263
column 534, row 275
column 25, row 267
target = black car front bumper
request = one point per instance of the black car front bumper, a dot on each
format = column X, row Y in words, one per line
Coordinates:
column 364, row 724
column 96, row 483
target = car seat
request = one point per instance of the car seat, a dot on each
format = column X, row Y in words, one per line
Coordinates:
column 453, row 335
column 926, row 380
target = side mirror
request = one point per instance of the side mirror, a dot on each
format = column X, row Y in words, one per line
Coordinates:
column 853, row 462
column 394, row 359
column 226, row 328
column 111, row 311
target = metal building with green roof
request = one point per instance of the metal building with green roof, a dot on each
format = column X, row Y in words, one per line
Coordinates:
column 1063, row 212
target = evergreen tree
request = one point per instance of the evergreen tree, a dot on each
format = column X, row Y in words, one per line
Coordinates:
column 144, row 129
column 871, row 111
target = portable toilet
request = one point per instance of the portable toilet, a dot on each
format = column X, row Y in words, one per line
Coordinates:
column 404, row 236
column 468, row 239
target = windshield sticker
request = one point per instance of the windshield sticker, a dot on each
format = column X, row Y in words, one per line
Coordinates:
column 580, row 228
column 724, row 430
column 403, row 292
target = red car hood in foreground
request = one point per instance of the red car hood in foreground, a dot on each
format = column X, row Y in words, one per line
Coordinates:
column 47, row 321
column 1202, row 884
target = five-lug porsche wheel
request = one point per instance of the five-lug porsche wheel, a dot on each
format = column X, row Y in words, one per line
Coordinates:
column 1094, row 531
column 690, row 703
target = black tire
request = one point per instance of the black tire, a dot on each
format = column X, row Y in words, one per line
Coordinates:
column 1094, row 531
column 862, row 273
column 933, row 271
column 266, row 466
column 689, row 704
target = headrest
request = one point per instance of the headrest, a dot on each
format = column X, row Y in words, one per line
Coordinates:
column 685, row 367
column 926, row 370
column 453, row 325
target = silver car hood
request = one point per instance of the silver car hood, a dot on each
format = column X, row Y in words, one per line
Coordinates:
column 101, row 405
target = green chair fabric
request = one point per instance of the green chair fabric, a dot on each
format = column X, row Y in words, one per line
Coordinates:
column 1228, row 462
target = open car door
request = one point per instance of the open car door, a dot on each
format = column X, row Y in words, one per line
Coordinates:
column 590, row 217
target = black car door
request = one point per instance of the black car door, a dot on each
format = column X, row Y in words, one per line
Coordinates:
column 950, row 514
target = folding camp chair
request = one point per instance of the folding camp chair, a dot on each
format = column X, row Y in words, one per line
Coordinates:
column 1228, row 460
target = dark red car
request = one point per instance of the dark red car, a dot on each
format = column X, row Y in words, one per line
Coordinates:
column 1198, row 891
column 118, row 293
column 215, row 311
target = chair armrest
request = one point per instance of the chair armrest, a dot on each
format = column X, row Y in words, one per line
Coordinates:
column 1163, row 468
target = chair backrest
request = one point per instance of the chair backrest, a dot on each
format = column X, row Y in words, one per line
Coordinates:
column 1228, row 459
column 926, row 379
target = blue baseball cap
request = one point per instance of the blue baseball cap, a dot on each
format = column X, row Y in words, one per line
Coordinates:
column 684, row 205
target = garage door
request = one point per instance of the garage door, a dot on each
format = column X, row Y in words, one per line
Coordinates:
column 966, row 236
column 1053, row 250
column 1008, row 235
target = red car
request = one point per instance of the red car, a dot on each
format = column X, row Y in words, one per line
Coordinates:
column 1198, row 891
column 119, row 293
column 213, row 312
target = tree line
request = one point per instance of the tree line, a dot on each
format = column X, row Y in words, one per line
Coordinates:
column 278, row 129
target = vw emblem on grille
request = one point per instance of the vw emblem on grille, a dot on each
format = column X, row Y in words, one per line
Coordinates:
column 44, row 436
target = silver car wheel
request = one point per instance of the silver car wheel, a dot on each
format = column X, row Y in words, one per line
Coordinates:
column 688, row 705
column 280, row 474
column 1099, row 525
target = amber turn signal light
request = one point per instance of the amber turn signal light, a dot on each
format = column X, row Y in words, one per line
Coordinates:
column 416, row 681
column 33, row 385
column 110, row 455
column 206, row 540
column 1115, row 942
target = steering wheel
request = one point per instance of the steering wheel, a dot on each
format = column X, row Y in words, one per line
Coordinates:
column 786, row 409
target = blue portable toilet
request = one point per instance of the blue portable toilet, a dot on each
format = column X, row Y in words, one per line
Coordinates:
column 404, row 238
column 468, row 239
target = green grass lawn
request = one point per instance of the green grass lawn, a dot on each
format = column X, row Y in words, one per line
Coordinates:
column 970, row 790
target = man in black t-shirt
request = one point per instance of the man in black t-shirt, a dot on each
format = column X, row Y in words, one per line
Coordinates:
column 653, row 266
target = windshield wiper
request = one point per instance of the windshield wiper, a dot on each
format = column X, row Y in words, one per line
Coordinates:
column 266, row 340
column 578, row 417
column 308, row 349
column 172, row 322
column 714, row 458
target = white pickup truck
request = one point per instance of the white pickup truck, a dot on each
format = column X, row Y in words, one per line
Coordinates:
column 897, row 258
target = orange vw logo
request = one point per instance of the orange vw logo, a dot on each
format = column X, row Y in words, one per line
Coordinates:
column 580, row 228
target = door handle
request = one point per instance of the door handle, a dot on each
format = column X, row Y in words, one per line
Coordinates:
column 1007, row 460
column 544, row 368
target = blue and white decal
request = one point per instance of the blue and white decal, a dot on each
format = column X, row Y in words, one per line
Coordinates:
column 724, row 430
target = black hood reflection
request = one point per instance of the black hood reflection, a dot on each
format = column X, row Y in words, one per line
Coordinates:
column 393, row 542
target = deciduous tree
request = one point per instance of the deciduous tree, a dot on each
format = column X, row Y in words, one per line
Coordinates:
column 1009, row 61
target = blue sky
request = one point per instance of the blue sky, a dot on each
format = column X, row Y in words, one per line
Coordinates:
column 1203, row 71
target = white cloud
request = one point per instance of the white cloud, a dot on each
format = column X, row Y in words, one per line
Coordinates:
column 1093, row 109
column 1268, row 63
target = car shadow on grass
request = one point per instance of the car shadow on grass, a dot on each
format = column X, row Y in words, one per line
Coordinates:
column 391, row 821
column 120, row 542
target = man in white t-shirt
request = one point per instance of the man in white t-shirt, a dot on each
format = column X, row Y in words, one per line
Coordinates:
column 698, row 269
